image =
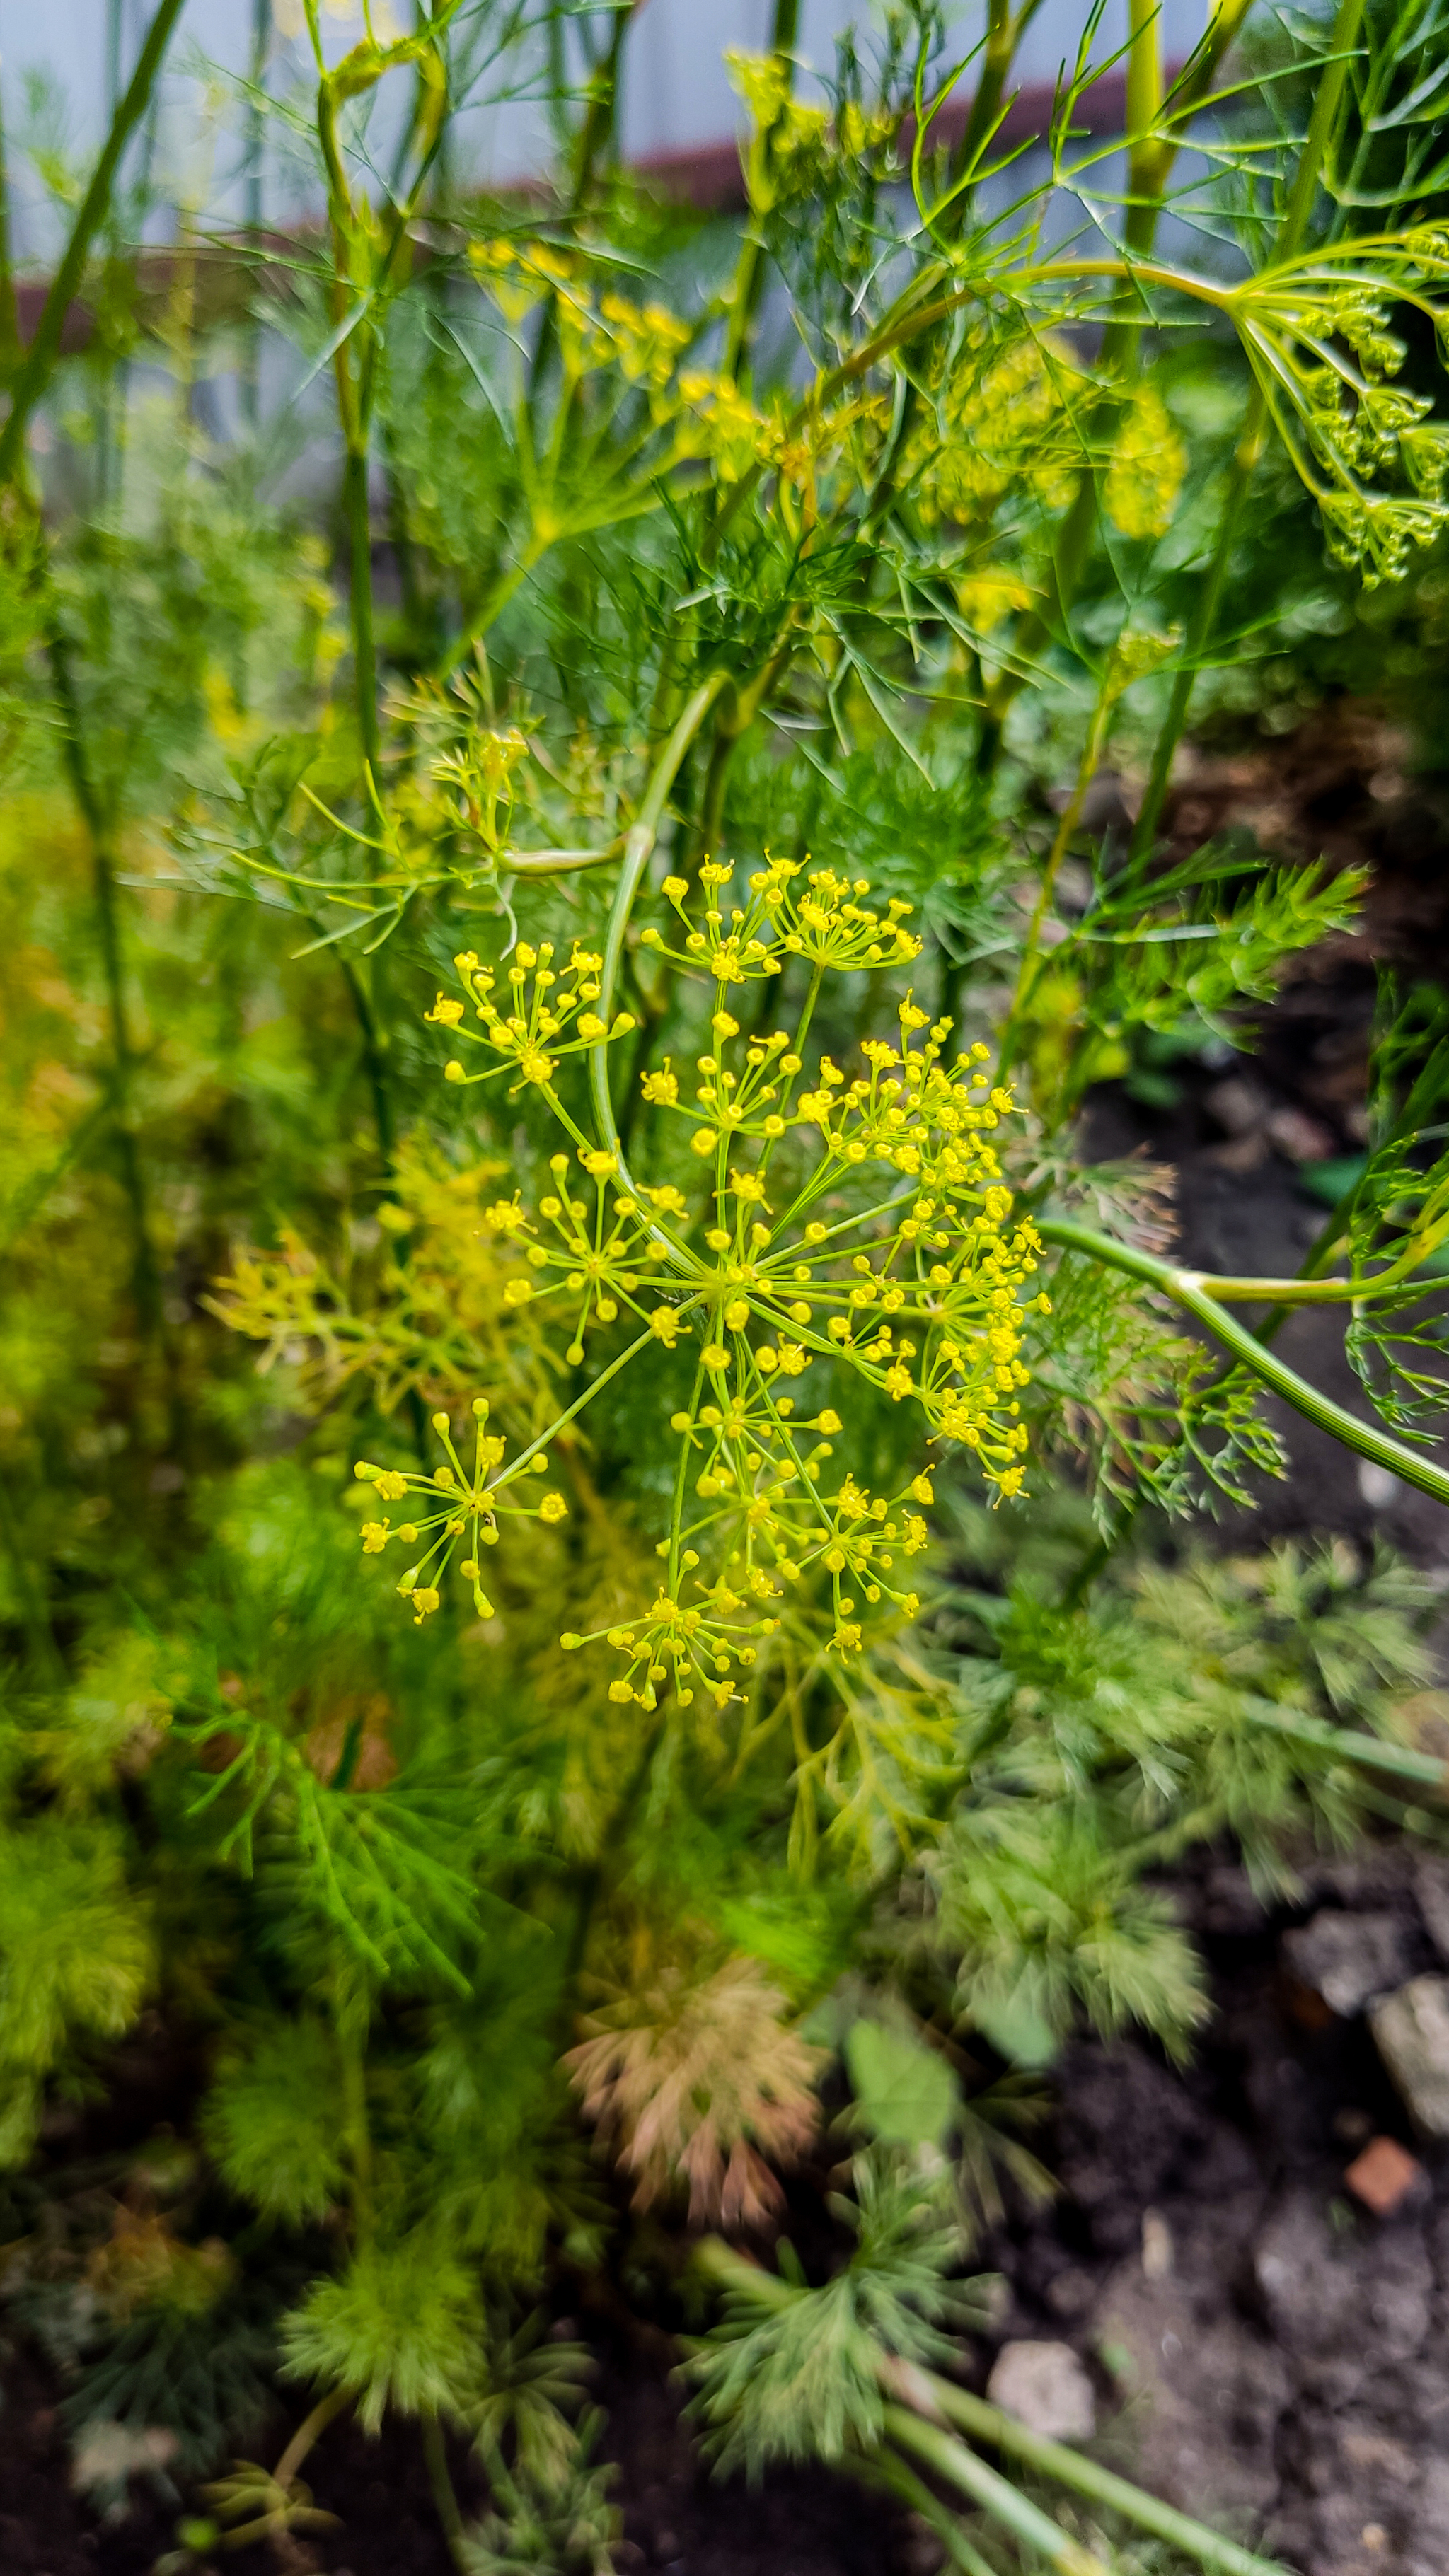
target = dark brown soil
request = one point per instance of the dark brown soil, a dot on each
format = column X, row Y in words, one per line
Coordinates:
column 1268, row 2352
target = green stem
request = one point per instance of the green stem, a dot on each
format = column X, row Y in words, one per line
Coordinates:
column 749, row 283
column 1326, row 104
column 308, row 2431
column 1004, row 31
column 364, row 647
column 886, row 2470
column 1152, row 153
column 597, row 135
column 993, row 2493
column 986, row 2423
column 35, row 373
column 10, row 345
column 1027, row 970
column 1424, row 1094
column 1190, row 1288
column 435, row 2452
column 1350, row 1744
column 145, row 1268
column 638, row 844
column 256, row 137
column 923, row 2393
column 359, row 2134
column 375, row 1058
column 29, row 1592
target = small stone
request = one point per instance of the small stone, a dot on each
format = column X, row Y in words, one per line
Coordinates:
column 1431, row 1886
column 1157, row 2247
column 1347, row 1958
column 1237, row 1105
column 1352, row 2128
column 1411, row 2029
column 1044, row 2386
column 1383, row 2176
column 1298, row 1136
column 1069, row 2294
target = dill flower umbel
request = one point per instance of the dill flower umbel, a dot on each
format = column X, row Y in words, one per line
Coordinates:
column 822, row 1224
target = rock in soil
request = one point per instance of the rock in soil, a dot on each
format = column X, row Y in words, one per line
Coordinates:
column 1411, row 2029
column 1431, row 1887
column 1349, row 1958
column 1044, row 2386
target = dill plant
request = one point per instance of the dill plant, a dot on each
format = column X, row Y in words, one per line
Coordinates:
column 681, row 1002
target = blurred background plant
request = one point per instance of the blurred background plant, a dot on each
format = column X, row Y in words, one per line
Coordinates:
column 649, row 568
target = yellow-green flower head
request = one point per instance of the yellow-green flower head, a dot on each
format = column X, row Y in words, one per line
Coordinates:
column 791, row 1221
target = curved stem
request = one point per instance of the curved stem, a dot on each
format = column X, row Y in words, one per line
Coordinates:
column 308, row 2431
column 1193, row 1290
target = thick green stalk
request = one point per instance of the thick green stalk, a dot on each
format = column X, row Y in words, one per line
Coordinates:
column 1292, row 232
column 937, row 2401
column 35, row 373
column 358, row 516
column 146, row 1276
column 749, row 283
column 1193, row 1290
column 598, row 134
column 1087, row 2478
column 1028, row 2525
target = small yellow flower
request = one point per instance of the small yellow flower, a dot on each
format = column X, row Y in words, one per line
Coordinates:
column 553, row 1508
column 374, row 1537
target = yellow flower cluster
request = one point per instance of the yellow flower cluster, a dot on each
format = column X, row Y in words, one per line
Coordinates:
column 1149, row 461
column 825, row 1224
column 464, row 1510
column 1002, row 424
column 643, row 341
column 826, row 924
column 551, row 1015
